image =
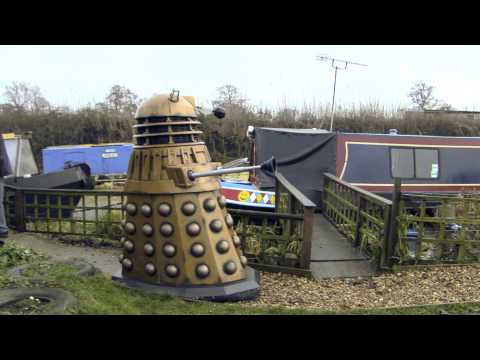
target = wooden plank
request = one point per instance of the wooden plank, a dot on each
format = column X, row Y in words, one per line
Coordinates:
column 372, row 197
column 394, row 223
column 342, row 200
column 361, row 206
column 307, row 239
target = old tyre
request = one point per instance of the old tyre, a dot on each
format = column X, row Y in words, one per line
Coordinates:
column 59, row 300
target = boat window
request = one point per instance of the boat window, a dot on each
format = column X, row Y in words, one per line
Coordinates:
column 426, row 163
column 402, row 163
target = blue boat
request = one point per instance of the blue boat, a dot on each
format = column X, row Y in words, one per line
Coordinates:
column 103, row 159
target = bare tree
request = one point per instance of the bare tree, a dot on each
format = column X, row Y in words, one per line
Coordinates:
column 421, row 95
column 231, row 129
column 229, row 96
column 121, row 100
column 22, row 97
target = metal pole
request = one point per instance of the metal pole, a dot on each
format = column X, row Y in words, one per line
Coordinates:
column 193, row 176
column 268, row 165
column 18, row 156
column 333, row 100
column 325, row 58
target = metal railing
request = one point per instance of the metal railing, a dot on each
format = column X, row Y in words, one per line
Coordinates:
column 361, row 216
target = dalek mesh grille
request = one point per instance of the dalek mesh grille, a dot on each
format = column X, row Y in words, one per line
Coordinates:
column 161, row 130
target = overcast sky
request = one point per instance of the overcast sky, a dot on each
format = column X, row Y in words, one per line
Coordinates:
column 267, row 75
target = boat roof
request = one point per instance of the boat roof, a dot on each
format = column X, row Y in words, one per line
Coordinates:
column 323, row 131
column 414, row 135
column 298, row 131
column 88, row 145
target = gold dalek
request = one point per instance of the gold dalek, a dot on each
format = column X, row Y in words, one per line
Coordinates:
column 179, row 238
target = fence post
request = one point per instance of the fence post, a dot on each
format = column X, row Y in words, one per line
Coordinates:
column 385, row 236
column 326, row 184
column 393, row 223
column 361, row 206
column 277, row 194
column 307, row 238
column 20, row 211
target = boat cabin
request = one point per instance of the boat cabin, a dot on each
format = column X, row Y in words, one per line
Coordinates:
column 427, row 164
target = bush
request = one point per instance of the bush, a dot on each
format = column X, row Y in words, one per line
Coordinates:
column 226, row 138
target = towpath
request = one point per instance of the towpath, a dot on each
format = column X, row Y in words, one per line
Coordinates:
column 104, row 259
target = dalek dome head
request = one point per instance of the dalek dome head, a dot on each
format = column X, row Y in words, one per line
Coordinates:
column 166, row 120
column 164, row 105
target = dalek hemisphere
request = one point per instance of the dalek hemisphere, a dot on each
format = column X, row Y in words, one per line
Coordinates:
column 179, row 238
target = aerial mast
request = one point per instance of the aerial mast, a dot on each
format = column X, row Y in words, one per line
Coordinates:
column 336, row 64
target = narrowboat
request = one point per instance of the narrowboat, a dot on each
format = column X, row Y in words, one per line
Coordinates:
column 433, row 164
column 240, row 193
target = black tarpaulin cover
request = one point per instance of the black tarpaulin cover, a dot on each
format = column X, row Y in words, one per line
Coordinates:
column 302, row 155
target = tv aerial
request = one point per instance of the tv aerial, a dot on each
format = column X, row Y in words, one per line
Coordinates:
column 337, row 64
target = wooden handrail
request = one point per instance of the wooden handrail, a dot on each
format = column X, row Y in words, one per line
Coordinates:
column 370, row 196
column 266, row 214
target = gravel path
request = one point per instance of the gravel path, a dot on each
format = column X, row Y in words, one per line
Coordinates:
column 413, row 287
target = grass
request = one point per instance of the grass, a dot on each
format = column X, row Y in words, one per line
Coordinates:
column 98, row 295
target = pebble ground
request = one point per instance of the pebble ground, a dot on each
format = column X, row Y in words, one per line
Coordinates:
column 413, row 287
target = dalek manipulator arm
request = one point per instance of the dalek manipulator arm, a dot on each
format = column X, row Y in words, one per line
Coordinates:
column 268, row 166
column 185, row 181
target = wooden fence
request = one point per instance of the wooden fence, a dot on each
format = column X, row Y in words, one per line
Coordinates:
column 438, row 229
column 363, row 217
column 278, row 241
column 413, row 229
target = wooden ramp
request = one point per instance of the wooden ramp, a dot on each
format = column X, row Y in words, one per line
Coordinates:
column 333, row 256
